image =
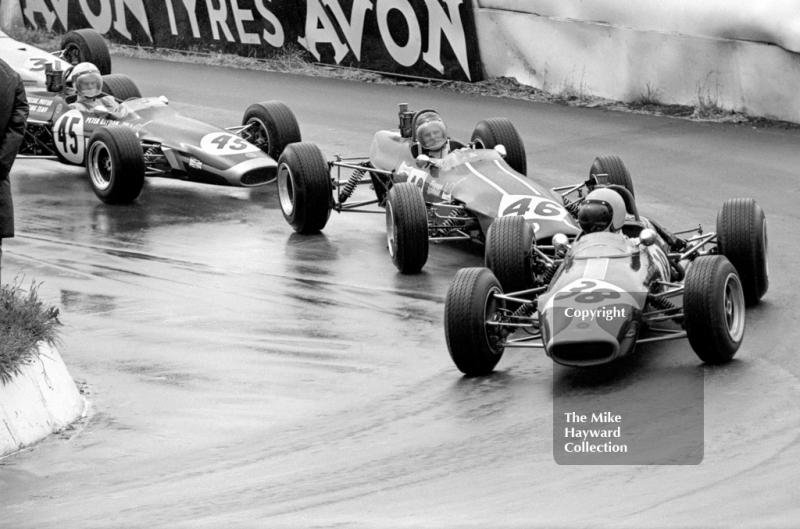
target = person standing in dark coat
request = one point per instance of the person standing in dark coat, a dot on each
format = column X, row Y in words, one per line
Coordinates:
column 13, row 115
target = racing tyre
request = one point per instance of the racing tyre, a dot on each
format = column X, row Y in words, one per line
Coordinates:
column 500, row 131
column 474, row 346
column 86, row 45
column 407, row 227
column 509, row 249
column 120, row 86
column 713, row 306
column 116, row 164
column 304, row 187
column 275, row 127
column 614, row 167
column 742, row 238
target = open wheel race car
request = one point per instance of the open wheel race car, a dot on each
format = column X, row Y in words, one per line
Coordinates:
column 82, row 45
column 146, row 137
column 455, row 197
column 593, row 299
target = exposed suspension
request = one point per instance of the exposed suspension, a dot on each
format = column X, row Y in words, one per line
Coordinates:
column 667, row 306
column 571, row 206
column 451, row 222
column 351, row 184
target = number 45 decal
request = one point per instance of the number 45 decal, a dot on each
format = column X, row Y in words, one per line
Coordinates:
column 224, row 143
column 531, row 208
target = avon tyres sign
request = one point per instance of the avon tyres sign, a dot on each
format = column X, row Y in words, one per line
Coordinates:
column 427, row 38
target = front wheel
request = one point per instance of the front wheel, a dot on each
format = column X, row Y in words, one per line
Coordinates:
column 491, row 132
column 713, row 306
column 742, row 238
column 304, row 187
column 407, row 227
column 272, row 127
column 86, row 45
column 116, row 164
column 470, row 308
column 509, row 249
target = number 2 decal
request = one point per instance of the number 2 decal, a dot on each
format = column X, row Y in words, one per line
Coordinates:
column 531, row 208
column 587, row 292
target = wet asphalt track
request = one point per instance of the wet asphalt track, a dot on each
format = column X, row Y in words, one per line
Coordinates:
column 242, row 375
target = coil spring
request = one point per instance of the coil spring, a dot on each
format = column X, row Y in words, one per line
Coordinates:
column 665, row 304
column 571, row 207
column 152, row 151
column 548, row 274
column 351, row 184
column 525, row 310
column 450, row 222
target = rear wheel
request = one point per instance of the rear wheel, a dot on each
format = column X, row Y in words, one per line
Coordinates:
column 491, row 132
column 713, row 305
column 470, row 306
column 86, row 45
column 742, row 238
column 120, row 86
column 407, row 227
column 614, row 167
column 304, row 187
column 273, row 127
column 509, row 249
column 116, row 164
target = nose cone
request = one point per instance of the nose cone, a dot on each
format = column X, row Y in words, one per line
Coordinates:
column 591, row 335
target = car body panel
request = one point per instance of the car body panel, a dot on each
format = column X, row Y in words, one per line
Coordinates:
column 592, row 312
column 28, row 61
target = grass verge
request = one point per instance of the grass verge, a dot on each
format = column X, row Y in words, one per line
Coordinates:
column 24, row 322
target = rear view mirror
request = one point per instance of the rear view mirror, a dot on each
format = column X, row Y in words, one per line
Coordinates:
column 501, row 150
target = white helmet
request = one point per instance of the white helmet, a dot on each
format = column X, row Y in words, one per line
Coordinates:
column 431, row 131
column 87, row 80
column 603, row 210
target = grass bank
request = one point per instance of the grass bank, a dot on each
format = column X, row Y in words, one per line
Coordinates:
column 24, row 322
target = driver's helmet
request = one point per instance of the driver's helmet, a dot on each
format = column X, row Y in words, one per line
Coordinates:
column 602, row 210
column 86, row 80
column 431, row 131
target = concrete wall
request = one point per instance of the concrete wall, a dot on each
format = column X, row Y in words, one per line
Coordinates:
column 559, row 53
column 41, row 400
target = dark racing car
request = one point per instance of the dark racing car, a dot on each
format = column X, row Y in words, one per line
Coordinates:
column 146, row 137
column 596, row 298
column 443, row 191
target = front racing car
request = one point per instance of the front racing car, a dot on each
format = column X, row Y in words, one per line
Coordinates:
column 592, row 300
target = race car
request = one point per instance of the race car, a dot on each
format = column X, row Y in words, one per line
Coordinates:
column 605, row 292
column 144, row 136
column 455, row 194
column 82, row 45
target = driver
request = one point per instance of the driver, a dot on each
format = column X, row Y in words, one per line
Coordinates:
column 432, row 135
column 602, row 210
column 88, row 84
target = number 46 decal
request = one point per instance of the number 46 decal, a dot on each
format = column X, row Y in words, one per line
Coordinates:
column 531, row 208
